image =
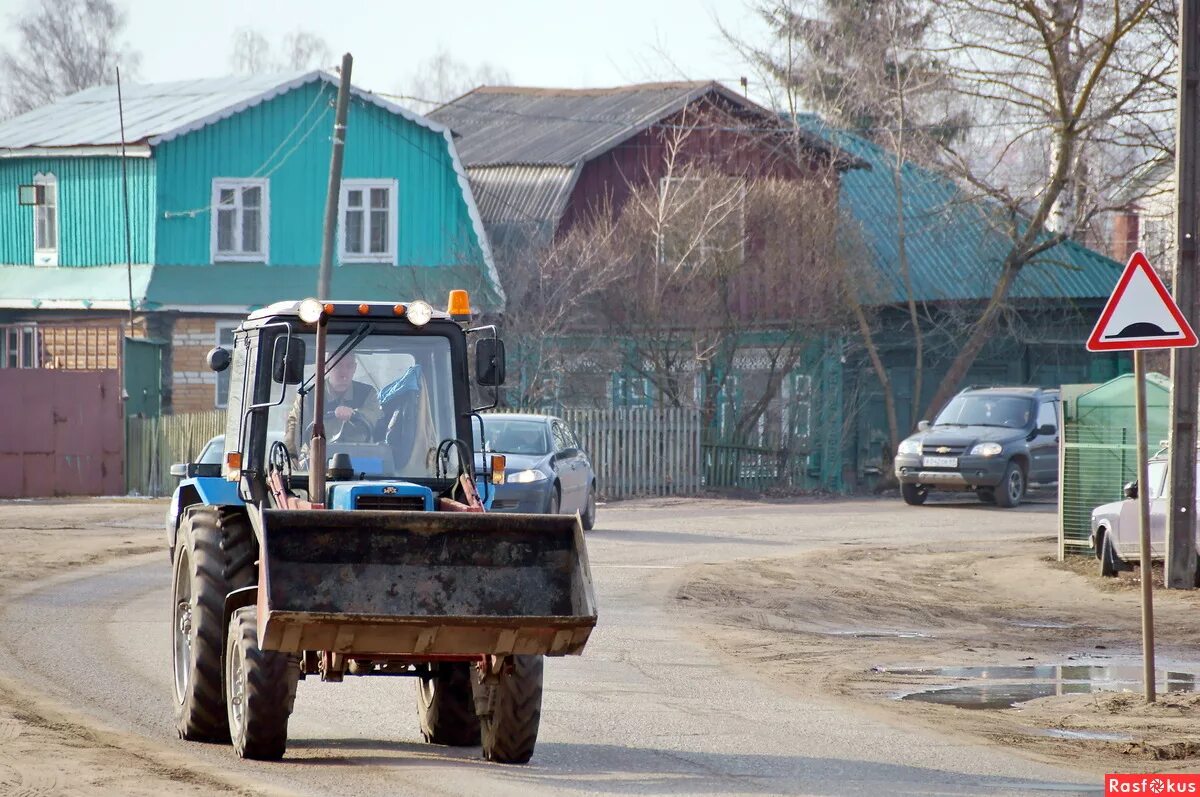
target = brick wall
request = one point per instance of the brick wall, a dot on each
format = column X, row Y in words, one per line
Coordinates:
column 193, row 385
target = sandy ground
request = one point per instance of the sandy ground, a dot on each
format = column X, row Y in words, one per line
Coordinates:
column 838, row 622
column 44, row 748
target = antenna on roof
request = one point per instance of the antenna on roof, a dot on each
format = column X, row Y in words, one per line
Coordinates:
column 125, row 201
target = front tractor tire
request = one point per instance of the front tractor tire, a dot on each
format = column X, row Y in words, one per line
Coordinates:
column 260, row 690
column 211, row 555
column 447, row 707
column 510, row 710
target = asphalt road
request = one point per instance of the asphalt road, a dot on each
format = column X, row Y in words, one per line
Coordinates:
column 646, row 710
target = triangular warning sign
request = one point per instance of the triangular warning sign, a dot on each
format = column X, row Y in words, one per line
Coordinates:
column 1140, row 314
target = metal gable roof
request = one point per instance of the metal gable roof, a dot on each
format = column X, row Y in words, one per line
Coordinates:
column 157, row 112
column 955, row 243
column 496, row 125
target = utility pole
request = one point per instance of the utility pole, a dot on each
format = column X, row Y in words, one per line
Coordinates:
column 325, row 274
column 1180, row 570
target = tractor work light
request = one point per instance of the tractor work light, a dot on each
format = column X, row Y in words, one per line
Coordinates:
column 310, row 311
column 419, row 313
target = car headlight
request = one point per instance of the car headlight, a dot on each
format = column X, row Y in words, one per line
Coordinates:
column 526, row 477
column 909, row 447
column 986, row 449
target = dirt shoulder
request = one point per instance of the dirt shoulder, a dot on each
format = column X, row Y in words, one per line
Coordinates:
column 842, row 622
column 45, row 748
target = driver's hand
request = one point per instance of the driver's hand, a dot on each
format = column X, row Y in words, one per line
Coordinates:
column 343, row 413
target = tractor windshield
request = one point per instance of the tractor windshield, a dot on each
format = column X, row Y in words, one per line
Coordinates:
column 389, row 402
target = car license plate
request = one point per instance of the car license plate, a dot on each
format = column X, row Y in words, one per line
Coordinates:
column 939, row 462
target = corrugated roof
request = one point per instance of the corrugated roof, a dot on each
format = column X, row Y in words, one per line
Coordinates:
column 498, row 125
column 521, row 194
column 955, row 243
column 157, row 112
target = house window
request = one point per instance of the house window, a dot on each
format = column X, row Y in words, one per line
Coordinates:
column 368, row 228
column 631, row 391
column 241, row 209
column 224, row 340
column 45, row 222
column 20, row 347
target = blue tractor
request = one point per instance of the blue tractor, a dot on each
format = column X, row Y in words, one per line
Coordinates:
column 357, row 543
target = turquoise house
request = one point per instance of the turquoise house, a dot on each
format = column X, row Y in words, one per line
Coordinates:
column 226, row 182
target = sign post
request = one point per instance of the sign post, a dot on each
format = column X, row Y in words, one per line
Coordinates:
column 1141, row 315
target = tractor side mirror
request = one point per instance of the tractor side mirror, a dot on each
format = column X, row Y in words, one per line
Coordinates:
column 287, row 360
column 219, row 359
column 1130, row 490
column 922, row 426
column 489, row 362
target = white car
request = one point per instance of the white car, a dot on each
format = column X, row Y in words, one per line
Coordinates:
column 1115, row 536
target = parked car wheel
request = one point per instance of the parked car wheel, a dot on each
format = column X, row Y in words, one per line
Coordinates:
column 589, row 512
column 914, row 494
column 1011, row 489
column 1109, row 566
column 554, row 502
column 986, row 494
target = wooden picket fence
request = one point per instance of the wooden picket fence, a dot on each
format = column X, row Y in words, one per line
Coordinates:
column 152, row 445
column 634, row 452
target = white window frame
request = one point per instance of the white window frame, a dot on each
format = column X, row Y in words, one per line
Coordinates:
column 12, row 341
column 393, row 189
column 220, row 184
column 220, row 326
column 46, row 256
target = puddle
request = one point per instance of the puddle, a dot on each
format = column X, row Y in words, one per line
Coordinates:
column 1006, row 686
column 881, row 634
column 1086, row 736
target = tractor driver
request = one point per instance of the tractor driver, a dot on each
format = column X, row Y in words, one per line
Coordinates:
column 351, row 408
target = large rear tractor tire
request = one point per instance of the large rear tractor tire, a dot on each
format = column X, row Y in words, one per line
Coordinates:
column 510, row 710
column 261, row 690
column 447, row 707
column 211, row 556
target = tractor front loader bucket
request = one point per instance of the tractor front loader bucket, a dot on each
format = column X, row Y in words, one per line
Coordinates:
column 423, row 583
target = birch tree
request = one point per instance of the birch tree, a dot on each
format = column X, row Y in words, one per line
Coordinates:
column 62, row 47
column 1057, row 89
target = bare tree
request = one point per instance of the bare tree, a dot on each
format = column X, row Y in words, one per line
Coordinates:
column 305, row 50
column 253, row 54
column 63, row 46
column 442, row 77
column 1055, row 86
column 863, row 66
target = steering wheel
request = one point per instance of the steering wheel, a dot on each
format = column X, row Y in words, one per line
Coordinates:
column 361, row 424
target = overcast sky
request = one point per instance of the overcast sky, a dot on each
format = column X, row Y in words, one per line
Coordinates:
column 539, row 42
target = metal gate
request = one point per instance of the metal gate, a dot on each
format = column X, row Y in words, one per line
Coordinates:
column 62, row 433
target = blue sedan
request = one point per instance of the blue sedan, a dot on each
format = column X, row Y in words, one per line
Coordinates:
column 546, row 472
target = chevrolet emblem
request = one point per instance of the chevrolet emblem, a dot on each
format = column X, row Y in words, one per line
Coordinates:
column 943, row 450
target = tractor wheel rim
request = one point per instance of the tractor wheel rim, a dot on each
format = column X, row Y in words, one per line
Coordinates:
column 237, row 692
column 182, row 628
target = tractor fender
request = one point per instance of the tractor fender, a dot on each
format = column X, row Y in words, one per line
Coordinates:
column 211, row 490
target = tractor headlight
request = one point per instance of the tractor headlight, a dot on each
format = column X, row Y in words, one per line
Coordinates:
column 310, row 311
column 526, row 477
column 986, row 450
column 419, row 313
column 909, row 447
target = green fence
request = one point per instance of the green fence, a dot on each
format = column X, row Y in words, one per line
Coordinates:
column 152, row 445
column 1097, row 450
